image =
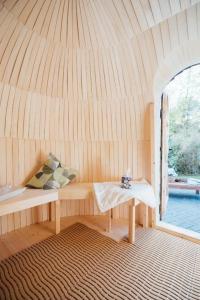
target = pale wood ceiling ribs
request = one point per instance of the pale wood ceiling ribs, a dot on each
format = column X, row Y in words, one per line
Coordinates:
column 36, row 75
column 92, row 24
column 39, row 54
column 49, row 76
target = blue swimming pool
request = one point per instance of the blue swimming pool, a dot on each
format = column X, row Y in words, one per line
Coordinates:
column 183, row 209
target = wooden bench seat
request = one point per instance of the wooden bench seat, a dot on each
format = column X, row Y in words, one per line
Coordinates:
column 74, row 191
column 78, row 191
column 31, row 198
column 185, row 186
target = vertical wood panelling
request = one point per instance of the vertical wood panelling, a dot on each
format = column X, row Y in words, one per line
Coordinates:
column 76, row 79
column 95, row 161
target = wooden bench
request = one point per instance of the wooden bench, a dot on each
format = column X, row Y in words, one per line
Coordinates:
column 80, row 191
column 74, row 191
column 184, row 186
column 31, row 198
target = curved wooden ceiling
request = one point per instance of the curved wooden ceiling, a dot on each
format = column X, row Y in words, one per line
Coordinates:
column 89, row 23
column 65, row 66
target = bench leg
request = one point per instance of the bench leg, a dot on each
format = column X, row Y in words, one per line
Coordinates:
column 131, row 233
column 37, row 214
column 109, row 223
column 51, row 208
column 57, row 215
column 145, row 216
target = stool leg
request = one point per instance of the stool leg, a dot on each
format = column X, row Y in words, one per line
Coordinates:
column 51, row 208
column 57, row 213
column 109, row 224
column 131, row 234
column 145, row 216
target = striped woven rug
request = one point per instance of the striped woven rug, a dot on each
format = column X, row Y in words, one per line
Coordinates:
column 80, row 263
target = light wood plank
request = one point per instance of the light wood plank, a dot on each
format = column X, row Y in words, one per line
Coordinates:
column 131, row 233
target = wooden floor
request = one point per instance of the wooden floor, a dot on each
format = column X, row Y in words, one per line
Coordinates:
column 15, row 241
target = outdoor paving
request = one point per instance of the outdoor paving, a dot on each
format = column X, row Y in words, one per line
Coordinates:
column 183, row 209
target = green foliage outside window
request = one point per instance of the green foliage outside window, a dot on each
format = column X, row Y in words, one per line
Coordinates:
column 184, row 122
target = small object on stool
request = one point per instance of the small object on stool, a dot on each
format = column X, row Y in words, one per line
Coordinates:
column 125, row 182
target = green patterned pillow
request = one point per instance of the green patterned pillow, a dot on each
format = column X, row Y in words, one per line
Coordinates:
column 52, row 175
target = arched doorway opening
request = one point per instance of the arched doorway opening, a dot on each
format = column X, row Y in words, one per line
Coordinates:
column 180, row 152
